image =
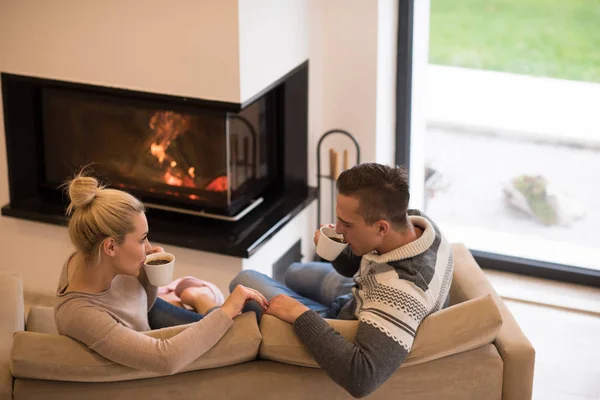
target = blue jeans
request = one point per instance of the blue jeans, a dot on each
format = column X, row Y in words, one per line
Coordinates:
column 317, row 285
column 164, row 314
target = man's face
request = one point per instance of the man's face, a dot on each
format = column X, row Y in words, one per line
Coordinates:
column 361, row 237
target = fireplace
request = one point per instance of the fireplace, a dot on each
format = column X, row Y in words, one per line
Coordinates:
column 165, row 153
column 187, row 159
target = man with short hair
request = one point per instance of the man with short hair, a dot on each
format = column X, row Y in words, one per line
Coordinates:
column 401, row 266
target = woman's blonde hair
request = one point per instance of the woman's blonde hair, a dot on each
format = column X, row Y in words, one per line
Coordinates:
column 98, row 213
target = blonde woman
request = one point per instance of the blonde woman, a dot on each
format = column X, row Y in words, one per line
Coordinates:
column 104, row 296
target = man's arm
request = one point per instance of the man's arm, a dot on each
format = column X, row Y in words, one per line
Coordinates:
column 347, row 264
column 359, row 367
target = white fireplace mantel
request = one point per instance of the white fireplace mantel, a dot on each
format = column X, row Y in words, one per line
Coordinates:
column 226, row 50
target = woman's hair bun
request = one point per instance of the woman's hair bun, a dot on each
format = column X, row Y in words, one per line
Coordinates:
column 82, row 191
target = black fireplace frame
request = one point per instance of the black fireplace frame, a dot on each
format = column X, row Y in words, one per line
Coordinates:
column 284, row 198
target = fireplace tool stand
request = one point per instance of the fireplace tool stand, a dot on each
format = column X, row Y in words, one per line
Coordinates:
column 334, row 170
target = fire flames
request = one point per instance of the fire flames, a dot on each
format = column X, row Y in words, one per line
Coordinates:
column 167, row 126
column 218, row 185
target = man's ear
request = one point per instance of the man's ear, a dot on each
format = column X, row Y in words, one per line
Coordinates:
column 108, row 246
column 383, row 227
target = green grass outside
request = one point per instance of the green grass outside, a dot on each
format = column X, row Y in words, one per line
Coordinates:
column 553, row 38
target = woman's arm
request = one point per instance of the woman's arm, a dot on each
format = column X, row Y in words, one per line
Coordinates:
column 100, row 332
column 96, row 328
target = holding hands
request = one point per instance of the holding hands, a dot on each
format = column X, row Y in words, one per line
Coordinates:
column 286, row 308
column 238, row 299
column 282, row 306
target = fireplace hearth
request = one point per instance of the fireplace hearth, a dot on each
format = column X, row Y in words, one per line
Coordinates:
column 187, row 159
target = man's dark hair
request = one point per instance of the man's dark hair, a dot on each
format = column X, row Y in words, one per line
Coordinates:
column 382, row 192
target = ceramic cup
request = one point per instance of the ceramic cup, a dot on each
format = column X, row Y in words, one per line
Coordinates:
column 162, row 274
column 330, row 244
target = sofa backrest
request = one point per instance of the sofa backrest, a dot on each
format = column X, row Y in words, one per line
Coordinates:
column 463, row 327
column 41, row 319
column 55, row 357
column 457, row 329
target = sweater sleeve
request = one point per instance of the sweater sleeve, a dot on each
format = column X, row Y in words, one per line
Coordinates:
column 347, row 264
column 359, row 367
column 114, row 341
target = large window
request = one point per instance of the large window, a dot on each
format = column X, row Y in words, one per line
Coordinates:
column 512, row 144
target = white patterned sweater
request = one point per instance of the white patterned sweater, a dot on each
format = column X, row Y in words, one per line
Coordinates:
column 394, row 292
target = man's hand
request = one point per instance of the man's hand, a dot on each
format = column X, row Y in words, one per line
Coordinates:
column 286, row 308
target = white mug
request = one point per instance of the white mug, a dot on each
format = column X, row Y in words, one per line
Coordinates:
column 326, row 247
column 160, row 275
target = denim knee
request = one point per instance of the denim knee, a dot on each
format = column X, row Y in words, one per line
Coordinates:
column 243, row 278
column 292, row 272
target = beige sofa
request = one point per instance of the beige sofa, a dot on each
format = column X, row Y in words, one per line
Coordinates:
column 471, row 350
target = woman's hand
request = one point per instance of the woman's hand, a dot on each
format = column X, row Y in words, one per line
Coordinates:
column 157, row 249
column 238, row 299
column 286, row 308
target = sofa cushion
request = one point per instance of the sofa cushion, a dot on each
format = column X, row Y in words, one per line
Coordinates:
column 456, row 329
column 56, row 357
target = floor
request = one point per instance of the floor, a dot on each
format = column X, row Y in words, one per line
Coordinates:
column 565, row 339
column 567, row 363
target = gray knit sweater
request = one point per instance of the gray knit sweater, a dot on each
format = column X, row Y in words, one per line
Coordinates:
column 394, row 292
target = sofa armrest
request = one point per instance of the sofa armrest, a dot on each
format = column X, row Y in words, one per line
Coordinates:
column 518, row 355
column 11, row 321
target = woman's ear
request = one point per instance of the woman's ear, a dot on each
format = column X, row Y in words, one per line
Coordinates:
column 108, row 246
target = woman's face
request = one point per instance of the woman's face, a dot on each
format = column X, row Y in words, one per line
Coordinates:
column 131, row 253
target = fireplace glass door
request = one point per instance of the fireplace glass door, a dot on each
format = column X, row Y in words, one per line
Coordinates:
column 201, row 158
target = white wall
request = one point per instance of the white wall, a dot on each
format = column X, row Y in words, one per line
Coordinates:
column 350, row 70
column 352, row 82
column 273, row 37
column 387, row 50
